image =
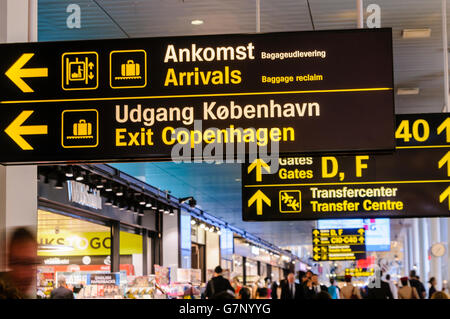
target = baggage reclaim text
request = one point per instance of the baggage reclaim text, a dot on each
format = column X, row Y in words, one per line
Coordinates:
column 353, row 206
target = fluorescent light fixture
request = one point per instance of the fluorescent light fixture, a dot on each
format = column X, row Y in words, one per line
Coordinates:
column 416, row 33
column 197, row 22
column 408, row 91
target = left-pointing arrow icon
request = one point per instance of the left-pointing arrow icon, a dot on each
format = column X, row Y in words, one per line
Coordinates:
column 15, row 130
column 16, row 72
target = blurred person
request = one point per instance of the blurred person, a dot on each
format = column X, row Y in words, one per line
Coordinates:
column 349, row 291
column 244, row 293
column 416, row 283
column 379, row 289
column 268, row 285
column 439, row 295
column 262, row 293
column 406, row 291
column 315, row 288
column 432, row 289
column 22, row 262
column 236, row 284
column 219, row 287
column 62, row 292
column 333, row 290
column 274, row 289
column 323, row 295
column 289, row 288
column 392, row 286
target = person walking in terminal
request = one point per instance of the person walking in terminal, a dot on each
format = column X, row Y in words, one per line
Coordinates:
column 349, row 291
column 62, row 292
column 416, row 283
column 315, row 288
column 379, row 289
column 289, row 288
column 244, row 293
column 22, row 262
column 432, row 289
column 439, row 295
column 392, row 286
column 406, row 291
column 219, row 287
column 333, row 290
column 262, row 293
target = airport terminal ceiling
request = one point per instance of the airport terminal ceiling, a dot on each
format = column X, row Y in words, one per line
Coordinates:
column 217, row 188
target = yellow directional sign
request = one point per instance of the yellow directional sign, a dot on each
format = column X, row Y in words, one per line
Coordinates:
column 445, row 126
column 258, row 164
column 445, row 160
column 15, row 130
column 259, row 197
column 445, row 195
column 338, row 244
column 16, row 72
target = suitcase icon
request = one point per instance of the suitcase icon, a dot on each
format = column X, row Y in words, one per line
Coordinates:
column 130, row 69
column 82, row 128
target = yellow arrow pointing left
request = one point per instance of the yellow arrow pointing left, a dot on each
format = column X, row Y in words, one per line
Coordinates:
column 16, row 72
column 15, row 130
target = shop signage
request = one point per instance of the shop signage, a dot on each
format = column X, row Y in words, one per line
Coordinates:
column 359, row 272
column 103, row 279
column 135, row 99
column 68, row 243
column 338, row 244
column 84, row 195
column 414, row 181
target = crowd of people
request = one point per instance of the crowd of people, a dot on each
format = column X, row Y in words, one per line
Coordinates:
column 308, row 287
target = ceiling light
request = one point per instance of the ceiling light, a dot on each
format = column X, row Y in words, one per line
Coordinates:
column 202, row 226
column 206, row 228
column 108, row 201
column 197, row 22
column 99, row 183
column 211, row 229
column 148, row 205
column 59, row 183
column 416, row 33
column 408, row 91
column 219, row 232
column 108, row 187
column 69, row 172
column 172, row 212
column 119, row 192
column 154, row 206
column 80, row 178
column 193, row 222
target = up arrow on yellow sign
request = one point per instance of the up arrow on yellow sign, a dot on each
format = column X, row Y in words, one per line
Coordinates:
column 15, row 130
column 445, row 126
column 445, row 194
column 16, row 72
column 259, row 164
column 445, row 160
column 259, row 197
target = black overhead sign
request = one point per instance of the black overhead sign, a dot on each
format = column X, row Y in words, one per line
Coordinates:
column 412, row 182
column 338, row 244
column 134, row 99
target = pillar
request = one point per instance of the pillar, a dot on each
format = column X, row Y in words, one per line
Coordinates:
column 436, row 266
column 18, row 184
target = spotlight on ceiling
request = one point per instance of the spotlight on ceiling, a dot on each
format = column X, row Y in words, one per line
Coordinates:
column 416, row 33
column 197, row 22
column 69, row 171
column 408, row 91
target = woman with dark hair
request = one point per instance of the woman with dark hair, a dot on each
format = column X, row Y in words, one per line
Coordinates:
column 432, row 289
column 244, row 293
